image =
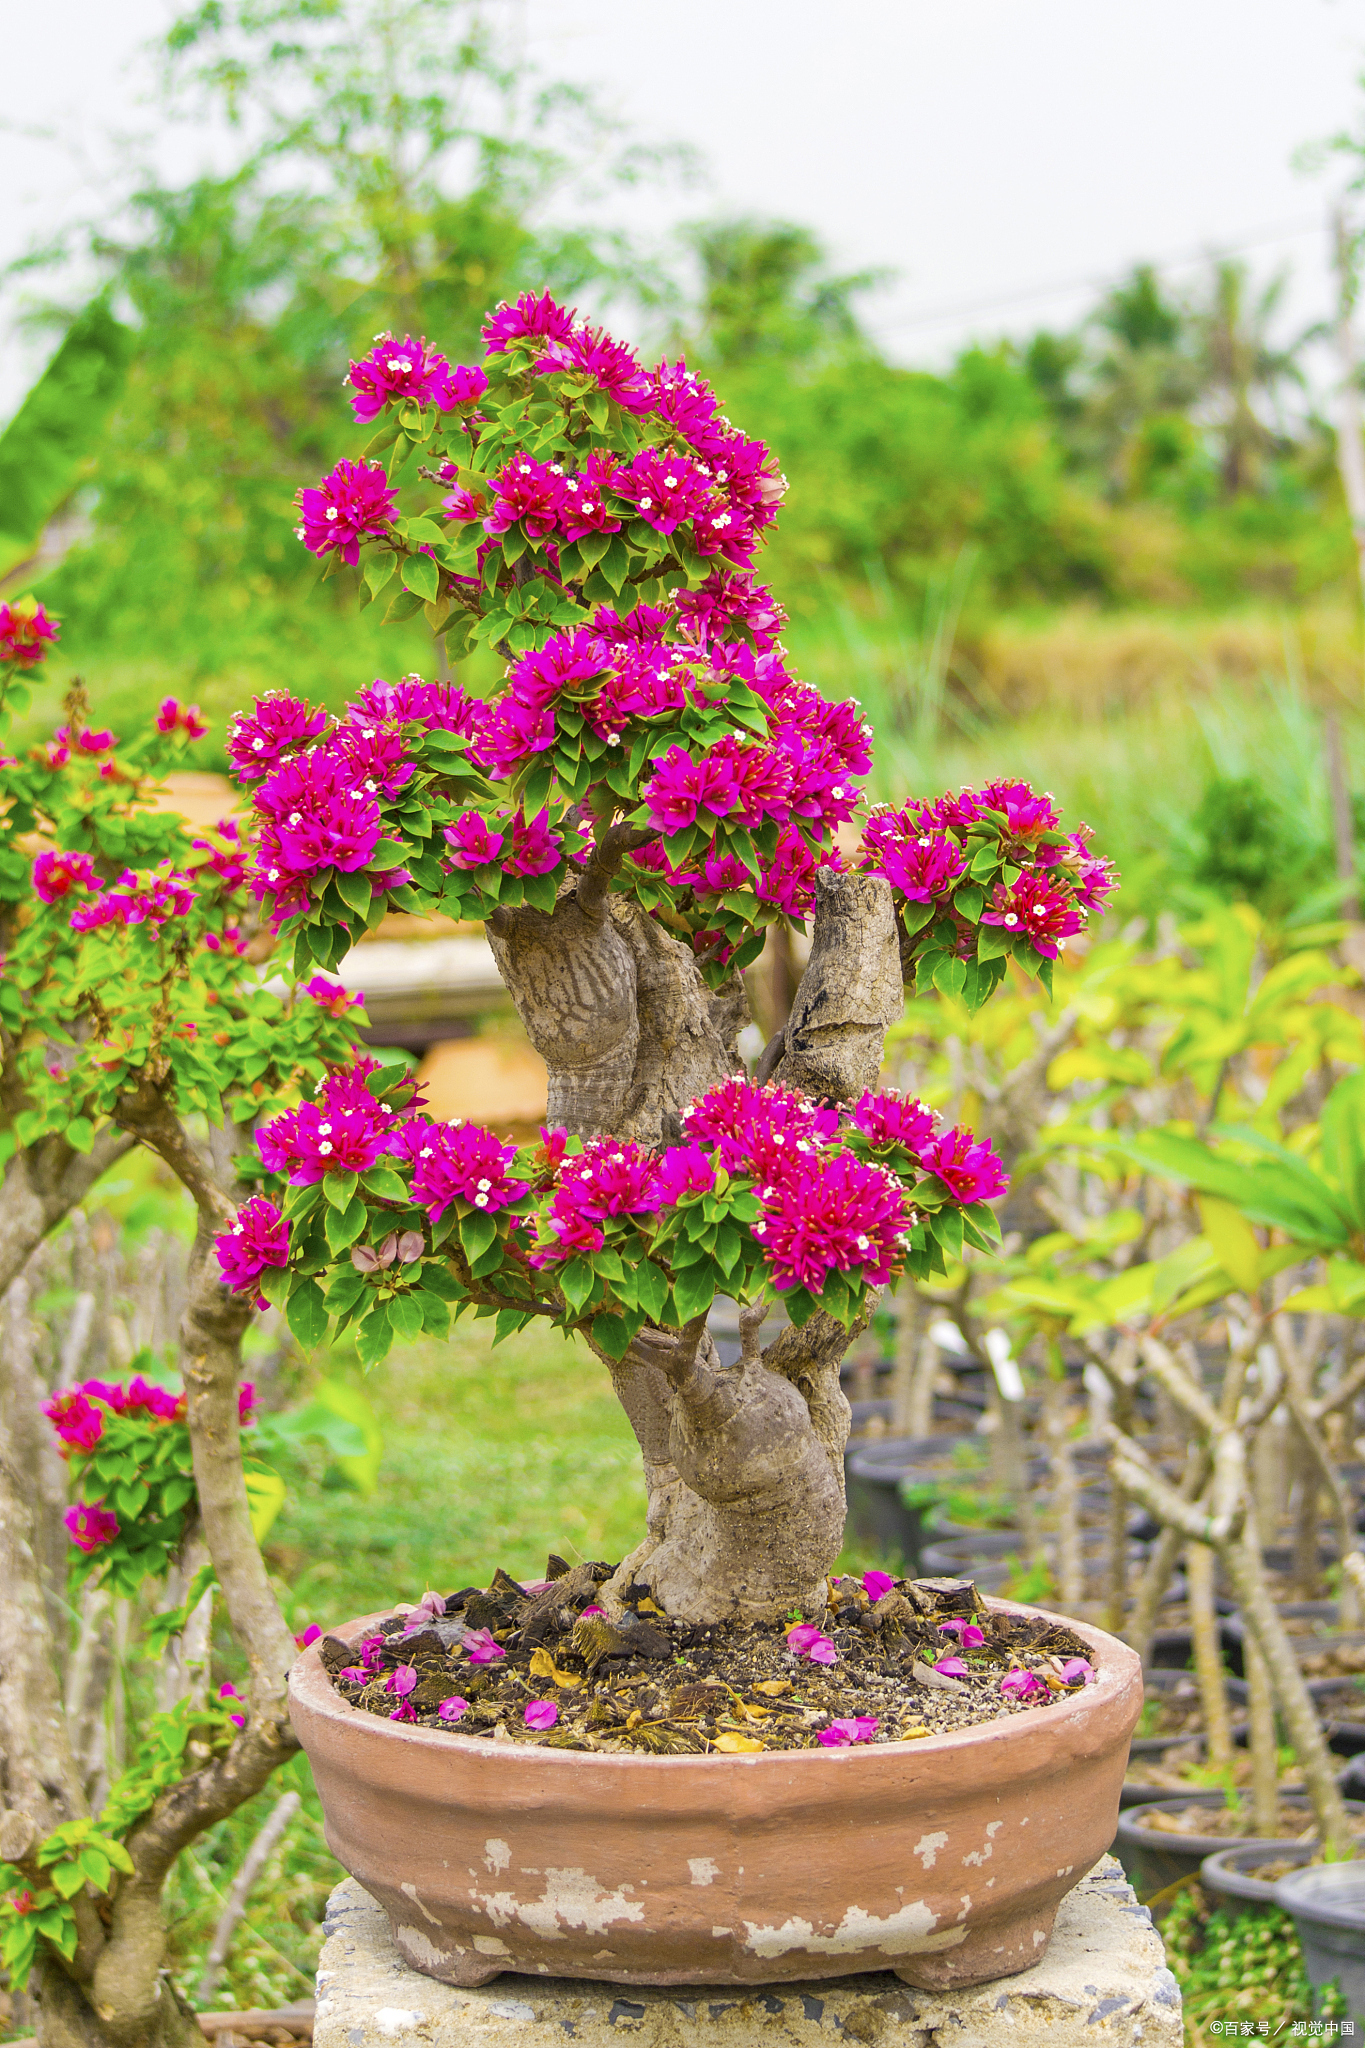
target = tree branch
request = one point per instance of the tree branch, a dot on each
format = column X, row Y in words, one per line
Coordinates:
column 42, row 1184
column 604, row 862
column 146, row 1115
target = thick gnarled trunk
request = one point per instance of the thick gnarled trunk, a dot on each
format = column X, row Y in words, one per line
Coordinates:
column 743, row 1464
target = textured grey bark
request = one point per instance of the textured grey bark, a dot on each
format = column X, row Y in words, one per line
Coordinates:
column 743, row 1465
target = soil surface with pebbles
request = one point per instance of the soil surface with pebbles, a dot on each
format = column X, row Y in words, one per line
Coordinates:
column 477, row 1661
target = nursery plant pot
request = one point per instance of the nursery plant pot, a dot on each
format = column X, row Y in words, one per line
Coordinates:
column 942, row 1859
column 1227, row 1875
column 1154, row 1859
column 1328, row 1906
column 873, row 1473
column 1146, row 1747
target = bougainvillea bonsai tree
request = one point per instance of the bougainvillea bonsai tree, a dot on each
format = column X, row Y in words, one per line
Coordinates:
column 131, row 1013
column 647, row 793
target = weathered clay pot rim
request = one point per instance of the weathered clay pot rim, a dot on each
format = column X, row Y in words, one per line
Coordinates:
column 309, row 1679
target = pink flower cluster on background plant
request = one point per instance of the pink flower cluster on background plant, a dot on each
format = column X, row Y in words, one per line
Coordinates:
column 26, row 632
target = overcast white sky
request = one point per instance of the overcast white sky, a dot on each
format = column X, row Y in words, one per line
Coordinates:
column 999, row 155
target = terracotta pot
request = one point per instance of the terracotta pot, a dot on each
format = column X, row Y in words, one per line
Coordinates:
column 943, row 1860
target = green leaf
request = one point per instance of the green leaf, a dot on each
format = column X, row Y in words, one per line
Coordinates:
column 354, row 891
column 66, row 1879
column 612, row 1334
column 968, row 903
column 694, row 1291
column 344, row 1226
column 378, row 570
column 339, row 1188
column 405, row 1316
column 94, row 1868
column 992, row 942
column 440, row 1280
column 421, row 577
column 1343, row 1141
column 477, row 1232
column 307, row 1315
column 576, row 1282
column 344, row 1292
column 949, row 976
column 651, row 1288
column 265, row 1494
column 80, row 1133
column 405, row 606
column 374, row 1335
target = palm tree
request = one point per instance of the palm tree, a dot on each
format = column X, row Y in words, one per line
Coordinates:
column 1239, row 366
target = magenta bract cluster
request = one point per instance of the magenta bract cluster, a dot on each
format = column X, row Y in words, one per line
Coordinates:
column 818, row 1191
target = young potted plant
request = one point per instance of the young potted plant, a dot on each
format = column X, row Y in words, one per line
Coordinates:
column 648, row 791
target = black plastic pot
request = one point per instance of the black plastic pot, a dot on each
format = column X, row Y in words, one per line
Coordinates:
column 1226, row 1875
column 1302, row 1619
column 872, row 1478
column 1153, row 1859
column 967, row 1561
column 1327, row 1902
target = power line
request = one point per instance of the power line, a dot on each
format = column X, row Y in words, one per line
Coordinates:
column 966, row 308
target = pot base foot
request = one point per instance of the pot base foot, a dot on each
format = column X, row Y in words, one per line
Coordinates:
column 1001, row 1949
column 464, row 1968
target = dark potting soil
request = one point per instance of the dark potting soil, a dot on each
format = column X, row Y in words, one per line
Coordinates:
column 647, row 1682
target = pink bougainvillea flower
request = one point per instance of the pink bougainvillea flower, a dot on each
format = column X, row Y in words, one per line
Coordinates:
column 230, row 1692
column 967, row 1166
column 666, row 489
column 1037, row 909
column 528, row 492
column 246, row 1402
column 401, row 1681
column 331, row 996
column 355, row 1673
column 531, row 318
column 396, row 370
column 173, row 716
column 684, row 1173
column 76, row 1422
column 276, row 725
column 26, row 632
column 479, row 1646
column 228, row 862
column 139, row 898
column 681, row 788
column 839, row 1734
column 614, row 366
column 56, row 874
column 888, row 1119
column 806, row 1640
column 922, row 867
column 541, row 1714
column 258, row 1238
column 1077, row 1671
column 583, row 508
column 950, row 1667
column 827, row 1211
column 310, row 1635
column 464, row 1160
column 354, row 502
column 969, row 1636
column 404, row 1711
column 877, row 1585
column 1020, row 1685
column 451, row 1709
column 535, row 850
column 473, row 842
column 90, row 1525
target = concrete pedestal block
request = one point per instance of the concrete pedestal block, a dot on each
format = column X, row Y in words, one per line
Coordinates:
column 1102, row 1984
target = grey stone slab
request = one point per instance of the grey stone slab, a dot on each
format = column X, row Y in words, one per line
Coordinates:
column 1102, row 1984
